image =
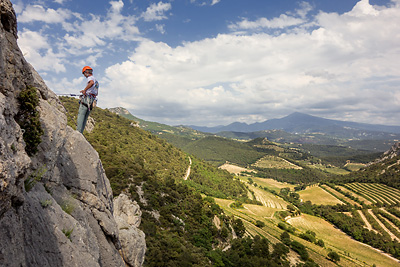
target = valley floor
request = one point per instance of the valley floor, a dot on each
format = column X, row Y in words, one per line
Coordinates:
column 352, row 252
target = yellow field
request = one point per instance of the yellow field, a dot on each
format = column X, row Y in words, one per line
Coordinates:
column 234, row 169
column 341, row 243
column 339, row 195
column 272, row 184
column 275, row 162
column 376, row 192
column 361, row 198
column 318, row 196
column 268, row 199
column 352, row 253
column 331, row 169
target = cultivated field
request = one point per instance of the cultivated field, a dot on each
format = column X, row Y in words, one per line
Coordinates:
column 272, row 184
column 376, row 192
column 319, row 196
column 361, row 198
column 354, row 166
column 339, row 195
column 353, row 253
column 276, row 163
column 234, row 169
column 268, row 199
column 356, row 252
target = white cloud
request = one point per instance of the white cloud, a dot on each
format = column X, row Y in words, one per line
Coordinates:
column 38, row 13
column 98, row 31
column 304, row 9
column 156, row 11
column 48, row 48
column 282, row 21
column 160, row 28
column 346, row 65
column 37, row 50
column 214, row 2
column 60, row 1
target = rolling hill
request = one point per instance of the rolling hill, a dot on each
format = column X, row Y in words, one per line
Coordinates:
column 183, row 226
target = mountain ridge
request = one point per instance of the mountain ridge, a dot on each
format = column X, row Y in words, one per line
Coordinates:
column 299, row 123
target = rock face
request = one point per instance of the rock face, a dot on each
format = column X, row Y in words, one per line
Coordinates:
column 128, row 217
column 65, row 217
column 394, row 151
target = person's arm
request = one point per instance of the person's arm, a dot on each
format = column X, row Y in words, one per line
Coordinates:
column 88, row 85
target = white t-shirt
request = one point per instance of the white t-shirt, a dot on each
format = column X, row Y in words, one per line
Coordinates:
column 94, row 90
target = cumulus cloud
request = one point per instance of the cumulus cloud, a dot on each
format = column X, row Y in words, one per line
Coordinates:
column 98, row 31
column 38, row 13
column 341, row 67
column 160, row 28
column 283, row 21
column 156, row 11
column 37, row 50
column 53, row 49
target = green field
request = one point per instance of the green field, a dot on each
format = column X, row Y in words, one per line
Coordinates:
column 354, row 166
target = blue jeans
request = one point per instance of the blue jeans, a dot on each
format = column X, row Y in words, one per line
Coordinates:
column 84, row 111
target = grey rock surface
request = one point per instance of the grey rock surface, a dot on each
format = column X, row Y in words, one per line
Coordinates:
column 66, row 218
column 128, row 217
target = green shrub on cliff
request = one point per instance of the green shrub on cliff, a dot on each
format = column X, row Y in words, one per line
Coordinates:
column 28, row 119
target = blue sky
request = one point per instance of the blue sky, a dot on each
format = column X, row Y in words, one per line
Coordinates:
column 213, row 62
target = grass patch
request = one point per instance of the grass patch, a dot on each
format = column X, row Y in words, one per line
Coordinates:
column 68, row 233
column 35, row 177
column 67, row 206
column 46, row 202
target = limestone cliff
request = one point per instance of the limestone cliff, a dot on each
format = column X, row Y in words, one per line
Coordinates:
column 56, row 205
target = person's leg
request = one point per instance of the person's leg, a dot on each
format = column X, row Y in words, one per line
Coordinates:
column 82, row 118
column 85, row 119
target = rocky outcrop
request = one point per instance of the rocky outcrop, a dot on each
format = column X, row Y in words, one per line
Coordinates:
column 394, row 151
column 128, row 217
column 56, row 206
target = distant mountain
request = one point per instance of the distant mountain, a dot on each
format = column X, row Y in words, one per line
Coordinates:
column 300, row 123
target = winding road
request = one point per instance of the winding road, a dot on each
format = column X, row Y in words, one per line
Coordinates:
column 188, row 170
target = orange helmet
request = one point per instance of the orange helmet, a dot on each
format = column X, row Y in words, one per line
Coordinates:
column 86, row 68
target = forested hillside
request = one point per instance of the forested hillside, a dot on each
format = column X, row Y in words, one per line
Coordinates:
column 177, row 220
column 385, row 170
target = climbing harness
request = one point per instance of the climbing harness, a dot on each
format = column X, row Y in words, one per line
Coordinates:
column 88, row 101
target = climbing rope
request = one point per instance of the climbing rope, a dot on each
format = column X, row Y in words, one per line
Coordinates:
column 66, row 110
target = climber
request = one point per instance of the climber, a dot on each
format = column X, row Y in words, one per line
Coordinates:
column 88, row 98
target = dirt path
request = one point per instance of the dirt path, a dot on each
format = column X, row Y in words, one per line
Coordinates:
column 383, row 226
column 369, row 227
column 188, row 170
